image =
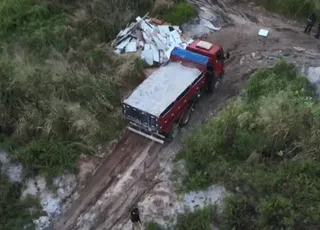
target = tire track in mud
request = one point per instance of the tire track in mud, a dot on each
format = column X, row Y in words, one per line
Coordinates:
column 113, row 164
column 124, row 195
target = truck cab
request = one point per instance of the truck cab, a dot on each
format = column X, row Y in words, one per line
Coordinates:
column 213, row 52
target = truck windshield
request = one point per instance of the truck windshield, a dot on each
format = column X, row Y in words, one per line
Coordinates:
column 220, row 55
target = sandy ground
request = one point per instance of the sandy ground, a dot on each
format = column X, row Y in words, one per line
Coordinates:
column 138, row 171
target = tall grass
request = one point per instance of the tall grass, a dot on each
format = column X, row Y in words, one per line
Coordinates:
column 264, row 148
column 176, row 14
column 16, row 213
column 292, row 8
column 60, row 82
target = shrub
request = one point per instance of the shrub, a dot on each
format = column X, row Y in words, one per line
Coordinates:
column 295, row 8
column 152, row 226
column 264, row 148
column 47, row 158
column 178, row 13
column 16, row 213
column 198, row 219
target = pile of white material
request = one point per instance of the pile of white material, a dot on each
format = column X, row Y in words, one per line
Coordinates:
column 155, row 41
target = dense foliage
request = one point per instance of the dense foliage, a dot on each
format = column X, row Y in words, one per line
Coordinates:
column 176, row 13
column 292, row 8
column 14, row 211
column 201, row 218
column 264, row 148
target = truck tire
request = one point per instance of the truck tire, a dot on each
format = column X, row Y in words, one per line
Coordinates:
column 215, row 85
column 185, row 118
column 173, row 133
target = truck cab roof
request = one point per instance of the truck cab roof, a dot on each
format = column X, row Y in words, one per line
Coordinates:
column 205, row 48
column 165, row 85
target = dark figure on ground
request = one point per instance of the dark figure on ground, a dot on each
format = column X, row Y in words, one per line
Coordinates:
column 311, row 20
column 135, row 218
column 318, row 33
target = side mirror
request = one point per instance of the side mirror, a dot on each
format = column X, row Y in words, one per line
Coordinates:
column 227, row 55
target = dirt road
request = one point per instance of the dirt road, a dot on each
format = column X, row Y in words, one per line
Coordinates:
column 138, row 170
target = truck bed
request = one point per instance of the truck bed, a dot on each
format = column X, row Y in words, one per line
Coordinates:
column 162, row 88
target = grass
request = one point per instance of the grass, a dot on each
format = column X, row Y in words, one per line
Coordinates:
column 15, row 213
column 292, row 8
column 152, row 226
column 200, row 218
column 264, row 148
column 61, row 87
column 177, row 13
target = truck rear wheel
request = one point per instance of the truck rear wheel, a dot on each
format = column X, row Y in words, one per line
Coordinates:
column 185, row 118
column 173, row 133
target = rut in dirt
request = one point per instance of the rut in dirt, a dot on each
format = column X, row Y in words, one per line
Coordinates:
column 111, row 166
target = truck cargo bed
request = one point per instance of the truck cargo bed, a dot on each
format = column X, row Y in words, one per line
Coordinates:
column 162, row 88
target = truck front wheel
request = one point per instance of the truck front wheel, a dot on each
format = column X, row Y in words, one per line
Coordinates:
column 215, row 85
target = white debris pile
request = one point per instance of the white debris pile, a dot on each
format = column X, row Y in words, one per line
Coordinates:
column 155, row 40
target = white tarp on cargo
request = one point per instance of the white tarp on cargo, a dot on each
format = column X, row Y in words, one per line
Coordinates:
column 161, row 88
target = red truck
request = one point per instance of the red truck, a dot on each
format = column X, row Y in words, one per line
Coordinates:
column 163, row 102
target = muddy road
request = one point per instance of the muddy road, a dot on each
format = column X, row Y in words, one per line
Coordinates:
column 138, row 170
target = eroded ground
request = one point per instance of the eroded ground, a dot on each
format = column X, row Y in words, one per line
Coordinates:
column 139, row 170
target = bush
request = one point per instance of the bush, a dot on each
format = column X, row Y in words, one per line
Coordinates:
column 47, row 158
column 152, row 226
column 15, row 214
column 198, row 219
column 264, row 147
column 296, row 8
column 178, row 13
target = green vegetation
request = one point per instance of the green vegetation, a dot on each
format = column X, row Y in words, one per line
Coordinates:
column 61, row 87
column 14, row 212
column 177, row 13
column 152, row 226
column 295, row 8
column 264, row 148
column 198, row 219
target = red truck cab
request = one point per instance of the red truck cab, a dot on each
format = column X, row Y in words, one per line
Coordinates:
column 212, row 51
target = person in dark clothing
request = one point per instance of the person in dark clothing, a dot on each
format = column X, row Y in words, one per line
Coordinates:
column 318, row 33
column 135, row 218
column 311, row 21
